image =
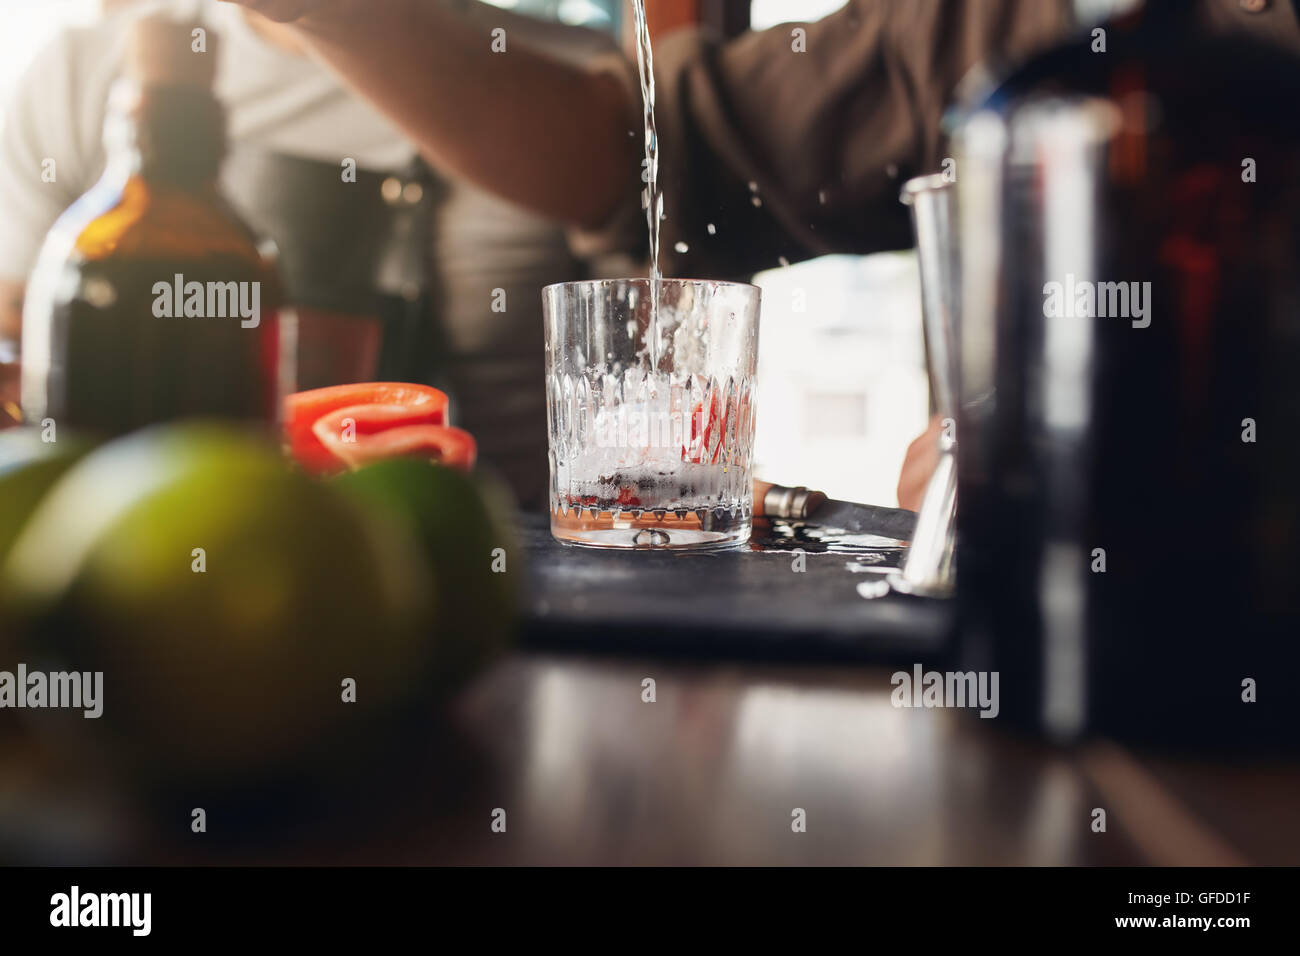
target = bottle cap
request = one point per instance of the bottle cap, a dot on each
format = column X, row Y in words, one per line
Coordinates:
column 167, row 52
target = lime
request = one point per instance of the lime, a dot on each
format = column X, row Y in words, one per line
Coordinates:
column 29, row 466
column 228, row 601
column 463, row 523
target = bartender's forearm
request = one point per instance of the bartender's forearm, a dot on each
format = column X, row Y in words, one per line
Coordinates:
column 531, row 128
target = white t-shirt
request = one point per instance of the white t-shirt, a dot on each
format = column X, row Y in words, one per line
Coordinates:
column 280, row 102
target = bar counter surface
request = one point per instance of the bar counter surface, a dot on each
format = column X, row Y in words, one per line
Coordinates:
column 714, row 770
column 726, row 761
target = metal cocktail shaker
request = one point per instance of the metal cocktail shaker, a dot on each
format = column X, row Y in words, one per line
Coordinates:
column 1129, row 390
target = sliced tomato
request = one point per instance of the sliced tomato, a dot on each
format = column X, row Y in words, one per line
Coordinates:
column 373, row 406
column 372, row 419
column 453, row 447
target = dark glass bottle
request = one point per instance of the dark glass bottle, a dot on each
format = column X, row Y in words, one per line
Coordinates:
column 150, row 300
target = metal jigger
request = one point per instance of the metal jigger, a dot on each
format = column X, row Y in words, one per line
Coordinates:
column 929, row 569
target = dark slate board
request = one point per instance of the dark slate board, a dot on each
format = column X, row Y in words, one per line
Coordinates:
column 739, row 603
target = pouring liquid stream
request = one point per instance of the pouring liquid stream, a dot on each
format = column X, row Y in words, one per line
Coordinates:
column 651, row 198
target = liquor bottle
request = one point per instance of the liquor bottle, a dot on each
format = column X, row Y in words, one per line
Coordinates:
column 150, row 300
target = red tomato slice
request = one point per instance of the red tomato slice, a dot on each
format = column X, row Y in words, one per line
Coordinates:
column 453, row 447
column 372, row 419
column 423, row 405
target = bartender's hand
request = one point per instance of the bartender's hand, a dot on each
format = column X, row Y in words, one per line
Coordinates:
column 918, row 465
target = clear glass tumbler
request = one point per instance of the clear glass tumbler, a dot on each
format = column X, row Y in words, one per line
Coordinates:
column 651, row 423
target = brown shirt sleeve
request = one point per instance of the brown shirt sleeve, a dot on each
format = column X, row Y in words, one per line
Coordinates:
column 793, row 145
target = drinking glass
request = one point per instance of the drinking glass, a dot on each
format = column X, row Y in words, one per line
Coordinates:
column 650, row 412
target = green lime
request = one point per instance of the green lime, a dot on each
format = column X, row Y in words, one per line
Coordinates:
column 29, row 467
column 464, row 524
column 228, row 601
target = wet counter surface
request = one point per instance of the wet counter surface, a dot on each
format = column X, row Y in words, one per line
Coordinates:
column 796, row 592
